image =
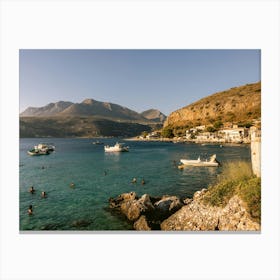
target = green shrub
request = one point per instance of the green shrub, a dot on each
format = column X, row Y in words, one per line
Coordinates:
column 167, row 132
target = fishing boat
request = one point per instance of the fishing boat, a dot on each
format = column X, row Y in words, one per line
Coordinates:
column 41, row 149
column 198, row 162
column 119, row 147
column 45, row 147
column 36, row 152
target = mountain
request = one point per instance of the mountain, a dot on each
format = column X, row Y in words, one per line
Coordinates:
column 48, row 110
column 237, row 105
column 154, row 115
column 89, row 118
column 88, row 107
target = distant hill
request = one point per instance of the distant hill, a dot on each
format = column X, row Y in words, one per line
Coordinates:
column 73, row 126
column 155, row 115
column 89, row 118
column 88, row 107
column 48, row 110
column 237, row 105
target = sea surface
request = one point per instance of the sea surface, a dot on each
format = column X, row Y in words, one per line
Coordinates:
column 97, row 176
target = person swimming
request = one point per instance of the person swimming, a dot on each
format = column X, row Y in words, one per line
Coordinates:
column 30, row 210
column 43, row 195
column 143, row 182
column 72, row 185
column 32, row 190
column 134, row 180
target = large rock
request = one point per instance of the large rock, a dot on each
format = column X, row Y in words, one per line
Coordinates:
column 154, row 209
column 198, row 216
column 141, row 224
column 130, row 206
column 235, row 217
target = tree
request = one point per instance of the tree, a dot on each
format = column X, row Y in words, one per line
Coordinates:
column 218, row 124
column 167, row 132
column 210, row 129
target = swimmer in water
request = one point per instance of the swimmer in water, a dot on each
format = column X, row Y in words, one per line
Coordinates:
column 30, row 210
column 134, row 180
column 43, row 195
column 32, row 190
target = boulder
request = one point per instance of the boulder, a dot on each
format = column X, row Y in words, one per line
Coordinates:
column 130, row 206
column 168, row 204
column 116, row 202
column 141, row 224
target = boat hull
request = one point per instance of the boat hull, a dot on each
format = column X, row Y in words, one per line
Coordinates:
column 38, row 153
column 197, row 163
column 113, row 149
column 119, row 147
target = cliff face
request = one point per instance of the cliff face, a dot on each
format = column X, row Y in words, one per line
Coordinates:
column 239, row 104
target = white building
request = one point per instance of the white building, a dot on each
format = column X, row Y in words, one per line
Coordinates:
column 235, row 135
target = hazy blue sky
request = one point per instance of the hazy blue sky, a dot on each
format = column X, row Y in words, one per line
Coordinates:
column 138, row 79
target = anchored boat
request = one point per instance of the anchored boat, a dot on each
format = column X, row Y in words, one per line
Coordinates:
column 198, row 162
column 41, row 149
column 119, row 147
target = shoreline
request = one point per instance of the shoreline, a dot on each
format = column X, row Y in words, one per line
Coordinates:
column 179, row 141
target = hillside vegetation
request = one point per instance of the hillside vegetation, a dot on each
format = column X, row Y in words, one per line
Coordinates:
column 239, row 105
column 77, row 127
column 237, row 179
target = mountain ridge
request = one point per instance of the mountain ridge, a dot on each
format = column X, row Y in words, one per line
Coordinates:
column 240, row 104
column 91, row 107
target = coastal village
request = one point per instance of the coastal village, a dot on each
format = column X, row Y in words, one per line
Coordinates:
column 228, row 133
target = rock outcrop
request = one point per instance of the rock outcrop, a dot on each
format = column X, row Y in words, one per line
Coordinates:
column 198, row 216
column 170, row 213
column 146, row 212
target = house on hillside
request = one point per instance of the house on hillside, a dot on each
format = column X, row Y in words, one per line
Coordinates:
column 235, row 135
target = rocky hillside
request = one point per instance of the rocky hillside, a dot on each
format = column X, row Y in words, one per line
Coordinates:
column 88, row 107
column 154, row 115
column 49, row 110
column 237, row 105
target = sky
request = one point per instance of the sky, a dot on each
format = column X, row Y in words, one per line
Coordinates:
column 137, row 79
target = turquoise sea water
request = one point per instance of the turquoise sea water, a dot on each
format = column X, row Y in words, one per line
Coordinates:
column 85, row 207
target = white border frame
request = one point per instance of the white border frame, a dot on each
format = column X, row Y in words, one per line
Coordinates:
column 139, row 24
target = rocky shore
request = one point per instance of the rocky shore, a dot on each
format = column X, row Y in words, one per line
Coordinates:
column 170, row 213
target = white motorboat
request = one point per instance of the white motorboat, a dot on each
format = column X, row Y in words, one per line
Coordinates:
column 36, row 152
column 119, row 147
column 45, row 147
column 198, row 162
column 41, row 149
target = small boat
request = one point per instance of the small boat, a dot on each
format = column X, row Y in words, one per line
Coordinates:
column 36, row 152
column 41, row 149
column 198, row 162
column 119, row 147
column 45, row 147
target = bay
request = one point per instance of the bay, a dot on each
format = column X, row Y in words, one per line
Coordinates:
column 97, row 176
